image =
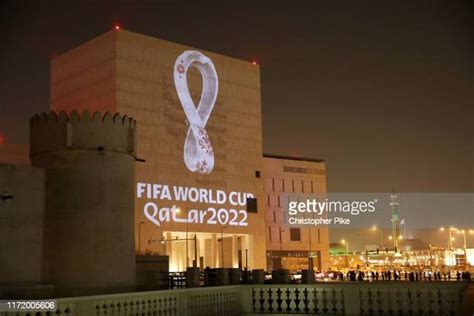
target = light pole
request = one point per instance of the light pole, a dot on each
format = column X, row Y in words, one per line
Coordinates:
column 344, row 242
column 281, row 247
column 178, row 210
column 463, row 232
column 222, row 246
column 451, row 238
column 310, row 259
column 140, row 237
column 195, row 251
column 187, row 249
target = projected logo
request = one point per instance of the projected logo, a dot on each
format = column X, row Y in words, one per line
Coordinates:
column 198, row 152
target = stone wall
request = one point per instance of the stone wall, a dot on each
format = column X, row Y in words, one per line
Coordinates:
column 89, row 213
column 22, row 194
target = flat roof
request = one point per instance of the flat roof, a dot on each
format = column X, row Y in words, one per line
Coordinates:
column 292, row 158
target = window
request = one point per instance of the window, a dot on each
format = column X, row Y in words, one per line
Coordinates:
column 318, row 172
column 257, row 174
column 295, row 234
column 270, row 233
column 251, row 205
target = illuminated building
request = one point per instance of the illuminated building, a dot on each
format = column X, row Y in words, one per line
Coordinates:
column 290, row 247
column 199, row 138
column 202, row 184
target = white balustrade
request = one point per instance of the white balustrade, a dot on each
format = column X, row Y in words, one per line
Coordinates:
column 347, row 298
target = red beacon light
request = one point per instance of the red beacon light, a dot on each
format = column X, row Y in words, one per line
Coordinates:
column 117, row 27
column 254, row 62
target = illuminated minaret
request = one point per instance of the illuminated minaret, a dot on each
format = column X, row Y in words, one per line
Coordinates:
column 395, row 220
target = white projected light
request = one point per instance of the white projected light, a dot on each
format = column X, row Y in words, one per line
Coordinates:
column 198, row 152
column 223, row 208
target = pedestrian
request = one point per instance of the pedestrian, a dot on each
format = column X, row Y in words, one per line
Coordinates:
column 353, row 276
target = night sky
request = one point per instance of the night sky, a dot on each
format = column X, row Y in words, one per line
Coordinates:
column 382, row 90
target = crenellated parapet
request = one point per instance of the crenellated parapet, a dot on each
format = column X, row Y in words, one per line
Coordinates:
column 56, row 132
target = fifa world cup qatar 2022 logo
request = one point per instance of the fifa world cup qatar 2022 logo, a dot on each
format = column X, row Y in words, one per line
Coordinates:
column 198, row 153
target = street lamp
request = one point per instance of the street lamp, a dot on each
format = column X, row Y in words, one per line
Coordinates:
column 178, row 211
column 281, row 247
column 140, row 237
column 344, row 242
column 463, row 232
column 222, row 246
column 450, row 240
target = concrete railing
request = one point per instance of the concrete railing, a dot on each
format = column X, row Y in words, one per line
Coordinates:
column 362, row 298
column 223, row 300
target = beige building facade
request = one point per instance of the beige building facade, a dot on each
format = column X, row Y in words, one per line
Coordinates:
column 138, row 76
column 200, row 194
column 291, row 247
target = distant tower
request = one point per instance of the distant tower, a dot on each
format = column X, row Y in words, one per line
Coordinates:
column 395, row 219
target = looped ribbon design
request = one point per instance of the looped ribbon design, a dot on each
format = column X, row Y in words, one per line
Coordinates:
column 198, row 151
